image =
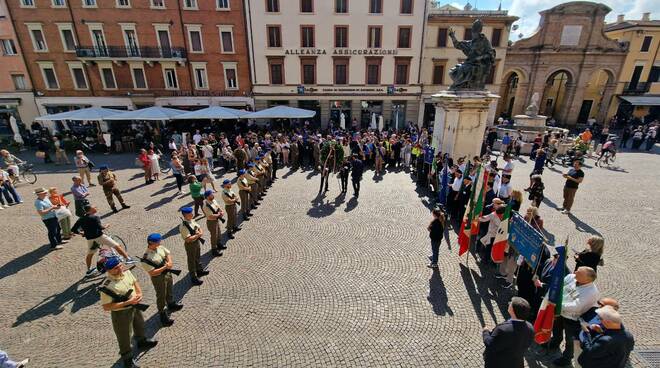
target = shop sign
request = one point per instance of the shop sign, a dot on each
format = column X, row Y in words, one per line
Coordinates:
column 347, row 52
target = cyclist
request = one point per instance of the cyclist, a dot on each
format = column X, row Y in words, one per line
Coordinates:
column 608, row 148
column 11, row 162
column 92, row 230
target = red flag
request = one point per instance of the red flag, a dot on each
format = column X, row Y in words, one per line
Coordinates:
column 544, row 322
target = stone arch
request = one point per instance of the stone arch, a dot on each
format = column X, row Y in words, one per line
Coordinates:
column 597, row 94
column 555, row 92
column 512, row 93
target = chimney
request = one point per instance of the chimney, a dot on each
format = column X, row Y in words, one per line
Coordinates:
column 646, row 16
column 619, row 18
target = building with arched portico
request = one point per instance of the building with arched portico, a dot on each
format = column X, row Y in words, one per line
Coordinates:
column 568, row 61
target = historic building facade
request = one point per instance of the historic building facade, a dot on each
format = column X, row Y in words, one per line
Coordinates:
column 359, row 59
column 439, row 54
column 569, row 62
column 132, row 53
column 16, row 97
column 638, row 88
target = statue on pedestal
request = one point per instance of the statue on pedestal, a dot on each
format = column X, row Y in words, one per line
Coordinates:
column 533, row 108
column 472, row 73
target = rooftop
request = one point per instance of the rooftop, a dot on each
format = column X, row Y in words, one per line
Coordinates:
column 468, row 11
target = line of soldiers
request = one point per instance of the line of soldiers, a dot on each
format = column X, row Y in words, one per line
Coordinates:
column 121, row 293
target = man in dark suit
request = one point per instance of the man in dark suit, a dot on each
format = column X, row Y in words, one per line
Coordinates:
column 508, row 341
column 357, row 168
column 606, row 343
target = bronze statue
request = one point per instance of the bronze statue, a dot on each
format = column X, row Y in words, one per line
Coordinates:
column 472, row 73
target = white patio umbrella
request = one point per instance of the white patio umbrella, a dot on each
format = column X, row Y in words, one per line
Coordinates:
column 149, row 113
column 342, row 121
column 281, row 112
column 373, row 121
column 54, row 117
column 212, row 112
column 92, row 114
column 381, row 124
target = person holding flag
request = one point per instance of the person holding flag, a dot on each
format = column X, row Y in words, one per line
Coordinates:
column 501, row 253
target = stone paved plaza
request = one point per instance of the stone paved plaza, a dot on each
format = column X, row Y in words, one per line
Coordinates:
column 317, row 282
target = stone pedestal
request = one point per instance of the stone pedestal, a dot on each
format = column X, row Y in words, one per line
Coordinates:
column 461, row 118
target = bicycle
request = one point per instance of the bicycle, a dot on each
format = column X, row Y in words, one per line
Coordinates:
column 105, row 253
column 164, row 166
column 26, row 173
column 609, row 158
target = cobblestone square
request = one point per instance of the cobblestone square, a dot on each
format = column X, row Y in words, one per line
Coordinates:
column 310, row 282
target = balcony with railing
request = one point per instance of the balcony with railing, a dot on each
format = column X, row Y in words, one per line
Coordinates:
column 638, row 88
column 131, row 53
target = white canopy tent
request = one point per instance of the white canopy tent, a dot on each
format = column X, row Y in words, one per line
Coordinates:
column 153, row 113
column 54, row 117
column 211, row 113
column 281, row 112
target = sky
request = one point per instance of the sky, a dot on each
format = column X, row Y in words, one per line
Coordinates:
column 528, row 10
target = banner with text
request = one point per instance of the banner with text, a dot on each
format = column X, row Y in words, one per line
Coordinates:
column 525, row 239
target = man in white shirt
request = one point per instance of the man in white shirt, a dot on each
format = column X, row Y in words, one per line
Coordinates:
column 508, row 166
column 197, row 137
column 579, row 295
column 503, row 189
column 207, row 151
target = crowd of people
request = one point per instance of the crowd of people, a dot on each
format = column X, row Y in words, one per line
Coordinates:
column 196, row 159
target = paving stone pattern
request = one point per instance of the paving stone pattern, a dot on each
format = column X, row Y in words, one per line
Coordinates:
column 309, row 282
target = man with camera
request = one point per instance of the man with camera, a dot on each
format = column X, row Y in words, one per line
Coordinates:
column 157, row 261
column 121, row 295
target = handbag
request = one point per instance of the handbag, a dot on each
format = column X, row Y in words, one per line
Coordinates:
column 40, row 154
column 62, row 213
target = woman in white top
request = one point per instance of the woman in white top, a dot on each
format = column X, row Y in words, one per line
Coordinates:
column 285, row 151
column 155, row 166
column 202, row 171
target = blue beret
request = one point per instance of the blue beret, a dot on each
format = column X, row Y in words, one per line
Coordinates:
column 208, row 193
column 225, row 182
column 186, row 210
column 241, row 171
column 111, row 262
column 154, row 238
column 103, row 167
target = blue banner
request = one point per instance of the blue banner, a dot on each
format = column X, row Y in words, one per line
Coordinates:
column 525, row 239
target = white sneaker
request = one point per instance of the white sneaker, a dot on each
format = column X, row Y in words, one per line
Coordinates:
column 58, row 247
column 90, row 272
column 565, row 212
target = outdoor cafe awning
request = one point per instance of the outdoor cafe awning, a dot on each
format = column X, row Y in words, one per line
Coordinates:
column 642, row 100
column 281, row 112
column 212, row 113
column 149, row 113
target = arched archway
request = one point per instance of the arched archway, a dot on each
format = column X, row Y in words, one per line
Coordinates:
column 509, row 94
column 553, row 103
column 595, row 96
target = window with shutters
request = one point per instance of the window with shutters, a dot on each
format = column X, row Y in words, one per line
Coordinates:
column 442, row 37
column 307, row 36
column 373, row 70
column 406, row 6
column 341, row 70
column 438, row 73
column 273, row 6
column 308, row 67
column 226, row 39
column 199, row 71
column 231, row 81
column 50, row 78
column 108, row 78
column 341, row 6
column 376, row 6
column 276, row 68
column 20, row 83
column 646, row 44
column 190, row 4
column 497, row 37
column 170, row 78
column 222, row 5
column 123, row 3
column 8, row 47
column 306, row 6
column 78, row 75
column 37, row 37
column 374, row 34
column 274, row 36
column 401, row 68
column 341, row 36
column 404, row 37
column 195, row 38
column 139, row 79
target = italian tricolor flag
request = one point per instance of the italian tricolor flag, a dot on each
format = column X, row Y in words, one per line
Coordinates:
column 470, row 223
column 502, row 237
column 551, row 305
